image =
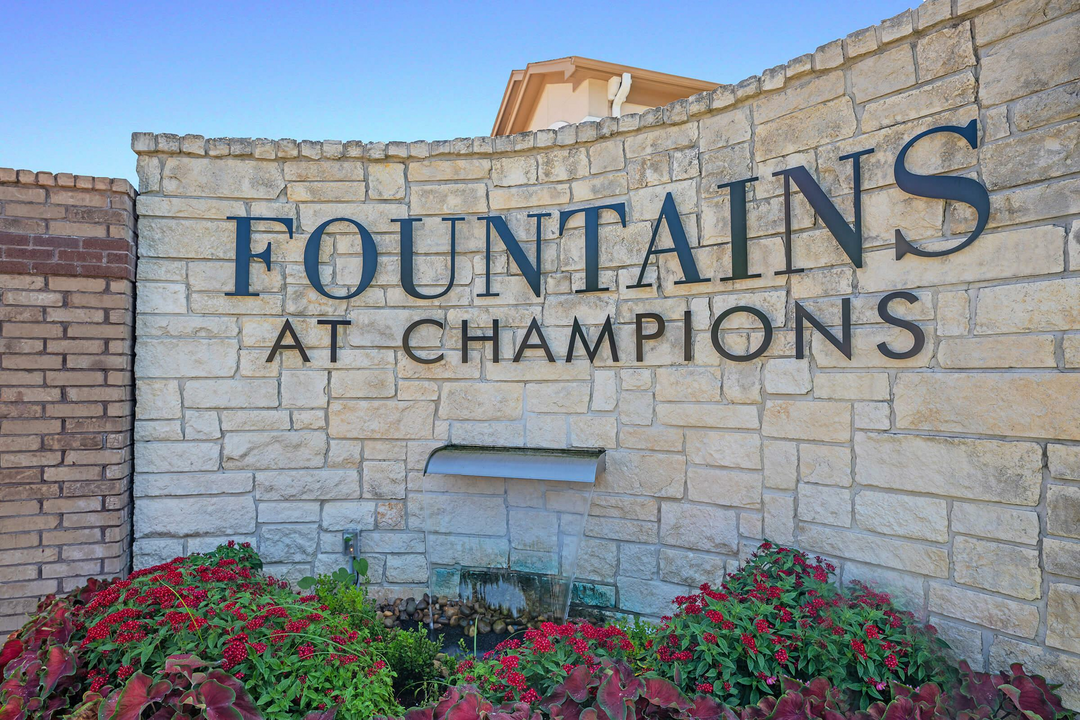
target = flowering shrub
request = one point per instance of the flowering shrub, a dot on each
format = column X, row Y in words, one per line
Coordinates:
column 292, row 653
column 780, row 616
column 528, row 668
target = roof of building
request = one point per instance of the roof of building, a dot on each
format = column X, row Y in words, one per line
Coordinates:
column 524, row 86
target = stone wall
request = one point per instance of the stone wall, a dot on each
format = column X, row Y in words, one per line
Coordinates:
column 951, row 477
column 67, row 262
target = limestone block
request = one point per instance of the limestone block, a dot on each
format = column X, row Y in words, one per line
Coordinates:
column 568, row 163
column 1047, row 663
column 1064, row 461
column 216, row 177
column 176, row 456
column 481, row 401
column 1063, row 510
column 382, row 479
column 364, row 419
column 897, row 554
column 514, row 170
column 274, row 451
column 593, row 431
column 724, row 487
column 953, row 314
column 638, row 561
column 944, row 52
column 162, row 298
column 688, row 384
column 1026, row 351
column 527, row 196
column 1039, row 405
column 180, row 517
column 406, row 568
column 547, row 431
column 246, row 393
column 781, row 465
column 742, row 417
column 990, row 611
column 303, row 388
column 905, row 589
column 802, row 420
column 735, row 450
column 992, row 470
column 882, row 74
column 1028, row 61
column 497, row 434
column 557, row 397
column 290, row 543
column 151, row 551
column 647, row 597
column 305, row 171
column 664, row 138
column 442, row 199
column 828, row 505
column 1061, row 557
column 603, row 157
column 201, row 426
column 851, row 386
column 1062, row 609
column 902, row 515
column 808, row 92
column 787, row 376
column 327, row 191
column 636, row 408
column 923, row 100
column 1029, row 307
column 192, row 484
column 1060, row 103
column 183, row 358
column 729, row 128
column 255, row 420
column 816, row 125
column 995, row 522
column 392, row 542
column 535, row 530
column 699, row 527
column 471, row 514
column 633, row 531
column 994, row 566
column 778, row 521
column 1035, row 156
column 652, row 474
column 386, row 181
column 691, row 569
column 465, row 550
column 633, row 508
column 289, row 512
column 965, row 643
column 364, row 384
column 825, row 465
column 597, row 560
column 157, row 399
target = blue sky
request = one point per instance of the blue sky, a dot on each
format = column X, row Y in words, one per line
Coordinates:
column 76, row 79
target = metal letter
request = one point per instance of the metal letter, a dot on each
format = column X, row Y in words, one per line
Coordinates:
column 540, row 344
column 531, row 272
column 942, row 187
column 242, row 276
column 577, row 333
column 681, row 247
column 334, row 324
column 740, row 269
column 765, row 341
column 917, row 334
column 639, row 321
column 408, row 283
column 493, row 338
column 311, row 259
column 592, row 240
column 407, row 347
column 843, row 346
column 294, row 345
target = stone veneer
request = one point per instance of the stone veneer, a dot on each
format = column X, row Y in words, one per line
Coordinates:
column 67, row 262
column 951, row 478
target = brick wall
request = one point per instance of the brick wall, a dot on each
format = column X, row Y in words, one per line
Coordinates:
column 66, row 333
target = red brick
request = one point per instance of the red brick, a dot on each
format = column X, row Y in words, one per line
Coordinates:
column 14, row 377
column 30, row 459
column 52, row 241
column 74, row 377
column 13, row 266
column 30, row 427
column 31, row 254
column 32, row 330
column 41, row 394
column 107, row 245
column 81, row 256
column 54, row 268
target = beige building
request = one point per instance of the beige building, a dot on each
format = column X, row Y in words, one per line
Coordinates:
column 550, row 94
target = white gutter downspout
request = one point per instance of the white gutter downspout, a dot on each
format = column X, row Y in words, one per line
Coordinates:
column 617, row 93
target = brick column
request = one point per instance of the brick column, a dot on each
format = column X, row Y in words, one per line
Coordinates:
column 67, row 259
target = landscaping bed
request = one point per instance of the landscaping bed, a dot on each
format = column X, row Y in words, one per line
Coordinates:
column 210, row 636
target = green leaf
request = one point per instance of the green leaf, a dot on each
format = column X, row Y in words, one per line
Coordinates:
column 306, row 583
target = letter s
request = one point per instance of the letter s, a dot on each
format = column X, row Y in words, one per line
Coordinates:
column 943, row 187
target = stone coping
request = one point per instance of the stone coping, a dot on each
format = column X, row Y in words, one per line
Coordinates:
column 829, row 56
column 66, row 180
